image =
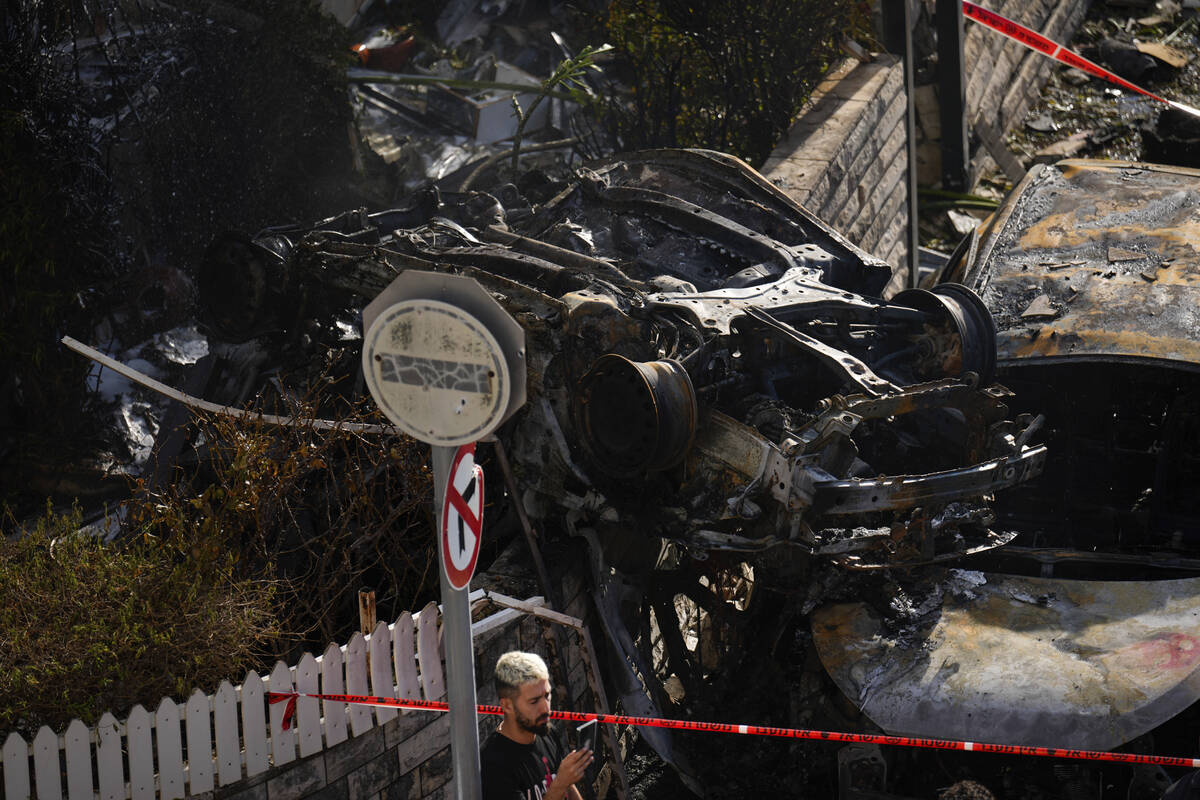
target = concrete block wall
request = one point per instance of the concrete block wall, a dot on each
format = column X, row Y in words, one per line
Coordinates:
column 845, row 156
column 1004, row 78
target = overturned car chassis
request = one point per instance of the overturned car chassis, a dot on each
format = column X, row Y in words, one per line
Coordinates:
column 713, row 375
column 714, row 348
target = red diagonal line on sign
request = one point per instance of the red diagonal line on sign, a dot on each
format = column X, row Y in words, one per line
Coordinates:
column 464, row 511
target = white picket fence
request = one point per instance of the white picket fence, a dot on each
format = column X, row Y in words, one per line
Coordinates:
column 182, row 750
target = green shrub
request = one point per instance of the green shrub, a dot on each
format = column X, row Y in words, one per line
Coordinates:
column 88, row 626
column 721, row 74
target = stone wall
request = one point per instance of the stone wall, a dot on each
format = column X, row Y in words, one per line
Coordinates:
column 845, row 156
column 1005, row 78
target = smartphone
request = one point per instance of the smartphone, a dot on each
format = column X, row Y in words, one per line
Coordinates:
column 586, row 736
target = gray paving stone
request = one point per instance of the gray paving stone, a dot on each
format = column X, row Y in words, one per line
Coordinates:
column 862, row 156
column 349, row 754
column 406, row 787
column 420, row 748
column 405, row 726
column 859, row 231
column 239, row 792
column 373, row 776
column 436, row 772
column 894, row 211
column 338, row 790
column 299, row 779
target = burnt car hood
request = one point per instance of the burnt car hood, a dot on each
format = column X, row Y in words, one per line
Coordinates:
column 1096, row 260
column 1029, row 661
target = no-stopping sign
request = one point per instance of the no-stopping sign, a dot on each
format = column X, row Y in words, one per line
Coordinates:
column 462, row 517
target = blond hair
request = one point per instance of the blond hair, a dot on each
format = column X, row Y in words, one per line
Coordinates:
column 514, row 669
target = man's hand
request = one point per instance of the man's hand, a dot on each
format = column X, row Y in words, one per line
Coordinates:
column 569, row 772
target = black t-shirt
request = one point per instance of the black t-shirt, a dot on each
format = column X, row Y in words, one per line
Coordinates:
column 512, row 771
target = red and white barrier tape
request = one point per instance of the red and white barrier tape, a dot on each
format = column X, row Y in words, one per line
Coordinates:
column 1048, row 47
column 752, row 730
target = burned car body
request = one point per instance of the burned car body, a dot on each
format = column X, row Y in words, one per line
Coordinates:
column 697, row 338
column 1090, row 270
column 714, row 382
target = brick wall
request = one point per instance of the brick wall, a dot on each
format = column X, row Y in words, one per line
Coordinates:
column 845, row 157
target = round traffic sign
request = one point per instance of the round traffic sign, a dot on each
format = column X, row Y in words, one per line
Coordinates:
column 462, row 517
column 436, row 371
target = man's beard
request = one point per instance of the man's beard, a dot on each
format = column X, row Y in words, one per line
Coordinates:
column 541, row 729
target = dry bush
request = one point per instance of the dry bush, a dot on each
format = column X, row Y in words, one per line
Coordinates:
column 257, row 555
column 325, row 512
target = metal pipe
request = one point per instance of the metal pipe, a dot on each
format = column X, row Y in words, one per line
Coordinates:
column 910, row 129
column 460, row 655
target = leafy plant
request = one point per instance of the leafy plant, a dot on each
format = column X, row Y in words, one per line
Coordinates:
column 87, row 625
column 940, row 199
column 721, row 74
column 568, row 75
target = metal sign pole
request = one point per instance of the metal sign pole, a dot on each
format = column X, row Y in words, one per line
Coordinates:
column 446, row 363
column 910, row 128
column 460, row 653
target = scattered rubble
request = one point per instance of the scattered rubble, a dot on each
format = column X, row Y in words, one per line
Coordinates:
column 1082, row 116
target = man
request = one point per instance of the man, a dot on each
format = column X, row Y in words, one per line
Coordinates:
column 520, row 760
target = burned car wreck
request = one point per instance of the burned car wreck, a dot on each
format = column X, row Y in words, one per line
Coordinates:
column 715, row 386
column 707, row 361
column 1090, row 271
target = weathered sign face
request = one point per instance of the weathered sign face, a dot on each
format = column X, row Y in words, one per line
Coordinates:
column 442, row 359
column 436, row 372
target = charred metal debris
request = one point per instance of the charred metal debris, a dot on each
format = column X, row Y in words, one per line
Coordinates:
column 715, row 387
column 709, row 364
column 1089, row 268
